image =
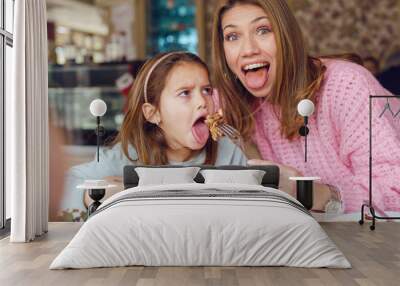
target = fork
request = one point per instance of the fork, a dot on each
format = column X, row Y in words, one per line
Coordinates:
column 232, row 134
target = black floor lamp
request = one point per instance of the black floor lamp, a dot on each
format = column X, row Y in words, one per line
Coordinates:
column 369, row 204
column 96, row 188
column 304, row 185
column 98, row 108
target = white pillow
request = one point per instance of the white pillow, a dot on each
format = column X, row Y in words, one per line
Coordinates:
column 164, row 176
column 248, row 177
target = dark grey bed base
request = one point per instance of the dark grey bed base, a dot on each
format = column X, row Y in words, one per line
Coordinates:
column 270, row 179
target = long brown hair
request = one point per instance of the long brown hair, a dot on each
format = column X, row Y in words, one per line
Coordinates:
column 147, row 138
column 298, row 75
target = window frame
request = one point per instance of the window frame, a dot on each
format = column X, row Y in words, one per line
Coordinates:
column 6, row 39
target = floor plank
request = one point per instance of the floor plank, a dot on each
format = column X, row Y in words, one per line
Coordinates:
column 375, row 257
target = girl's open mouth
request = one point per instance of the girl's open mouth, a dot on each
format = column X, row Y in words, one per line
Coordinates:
column 200, row 130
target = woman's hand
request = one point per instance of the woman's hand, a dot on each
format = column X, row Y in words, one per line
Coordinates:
column 285, row 172
column 321, row 192
column 322, row 195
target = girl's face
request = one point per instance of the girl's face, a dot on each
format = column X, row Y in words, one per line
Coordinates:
column 185, row 102
column 250, row 48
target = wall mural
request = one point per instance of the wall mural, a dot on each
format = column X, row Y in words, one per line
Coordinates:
column 360, row 26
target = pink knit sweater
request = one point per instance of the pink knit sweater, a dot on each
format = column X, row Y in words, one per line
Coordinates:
column 338, row 142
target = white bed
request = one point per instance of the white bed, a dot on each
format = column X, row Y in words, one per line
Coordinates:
column 224, row 225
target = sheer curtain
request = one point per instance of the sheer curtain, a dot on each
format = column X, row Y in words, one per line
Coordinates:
column 27, row 139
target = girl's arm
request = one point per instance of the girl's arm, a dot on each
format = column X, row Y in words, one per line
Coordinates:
column 229, row 154
column 112, row 162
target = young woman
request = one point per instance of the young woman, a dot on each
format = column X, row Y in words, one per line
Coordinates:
column 170, row 99
column 263, row 70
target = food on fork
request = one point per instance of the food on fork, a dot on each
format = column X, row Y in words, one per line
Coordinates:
column 214, row 121
column 218, row 128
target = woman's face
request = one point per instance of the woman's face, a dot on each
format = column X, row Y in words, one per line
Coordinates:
column 185, row 102
column 250, row 47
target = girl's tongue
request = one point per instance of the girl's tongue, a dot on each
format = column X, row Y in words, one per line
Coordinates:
column 200, row 132
column 257, row 79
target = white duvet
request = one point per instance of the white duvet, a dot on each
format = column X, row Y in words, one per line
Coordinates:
column 203, row 231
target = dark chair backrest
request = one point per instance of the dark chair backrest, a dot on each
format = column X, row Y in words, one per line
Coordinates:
column 270, row 179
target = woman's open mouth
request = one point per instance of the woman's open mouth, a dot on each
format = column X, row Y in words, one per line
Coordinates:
column 200, row 130
column 256, row 74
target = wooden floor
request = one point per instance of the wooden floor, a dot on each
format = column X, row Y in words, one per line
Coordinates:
column 375, row 257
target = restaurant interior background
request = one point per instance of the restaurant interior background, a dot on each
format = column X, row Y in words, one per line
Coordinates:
column 97, row 46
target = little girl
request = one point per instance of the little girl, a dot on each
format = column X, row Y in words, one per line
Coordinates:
column 169, row 102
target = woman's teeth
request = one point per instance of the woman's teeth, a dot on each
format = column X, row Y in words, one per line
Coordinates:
column 254, row 66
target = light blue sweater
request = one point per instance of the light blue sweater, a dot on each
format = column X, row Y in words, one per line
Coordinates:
column 113, row 160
